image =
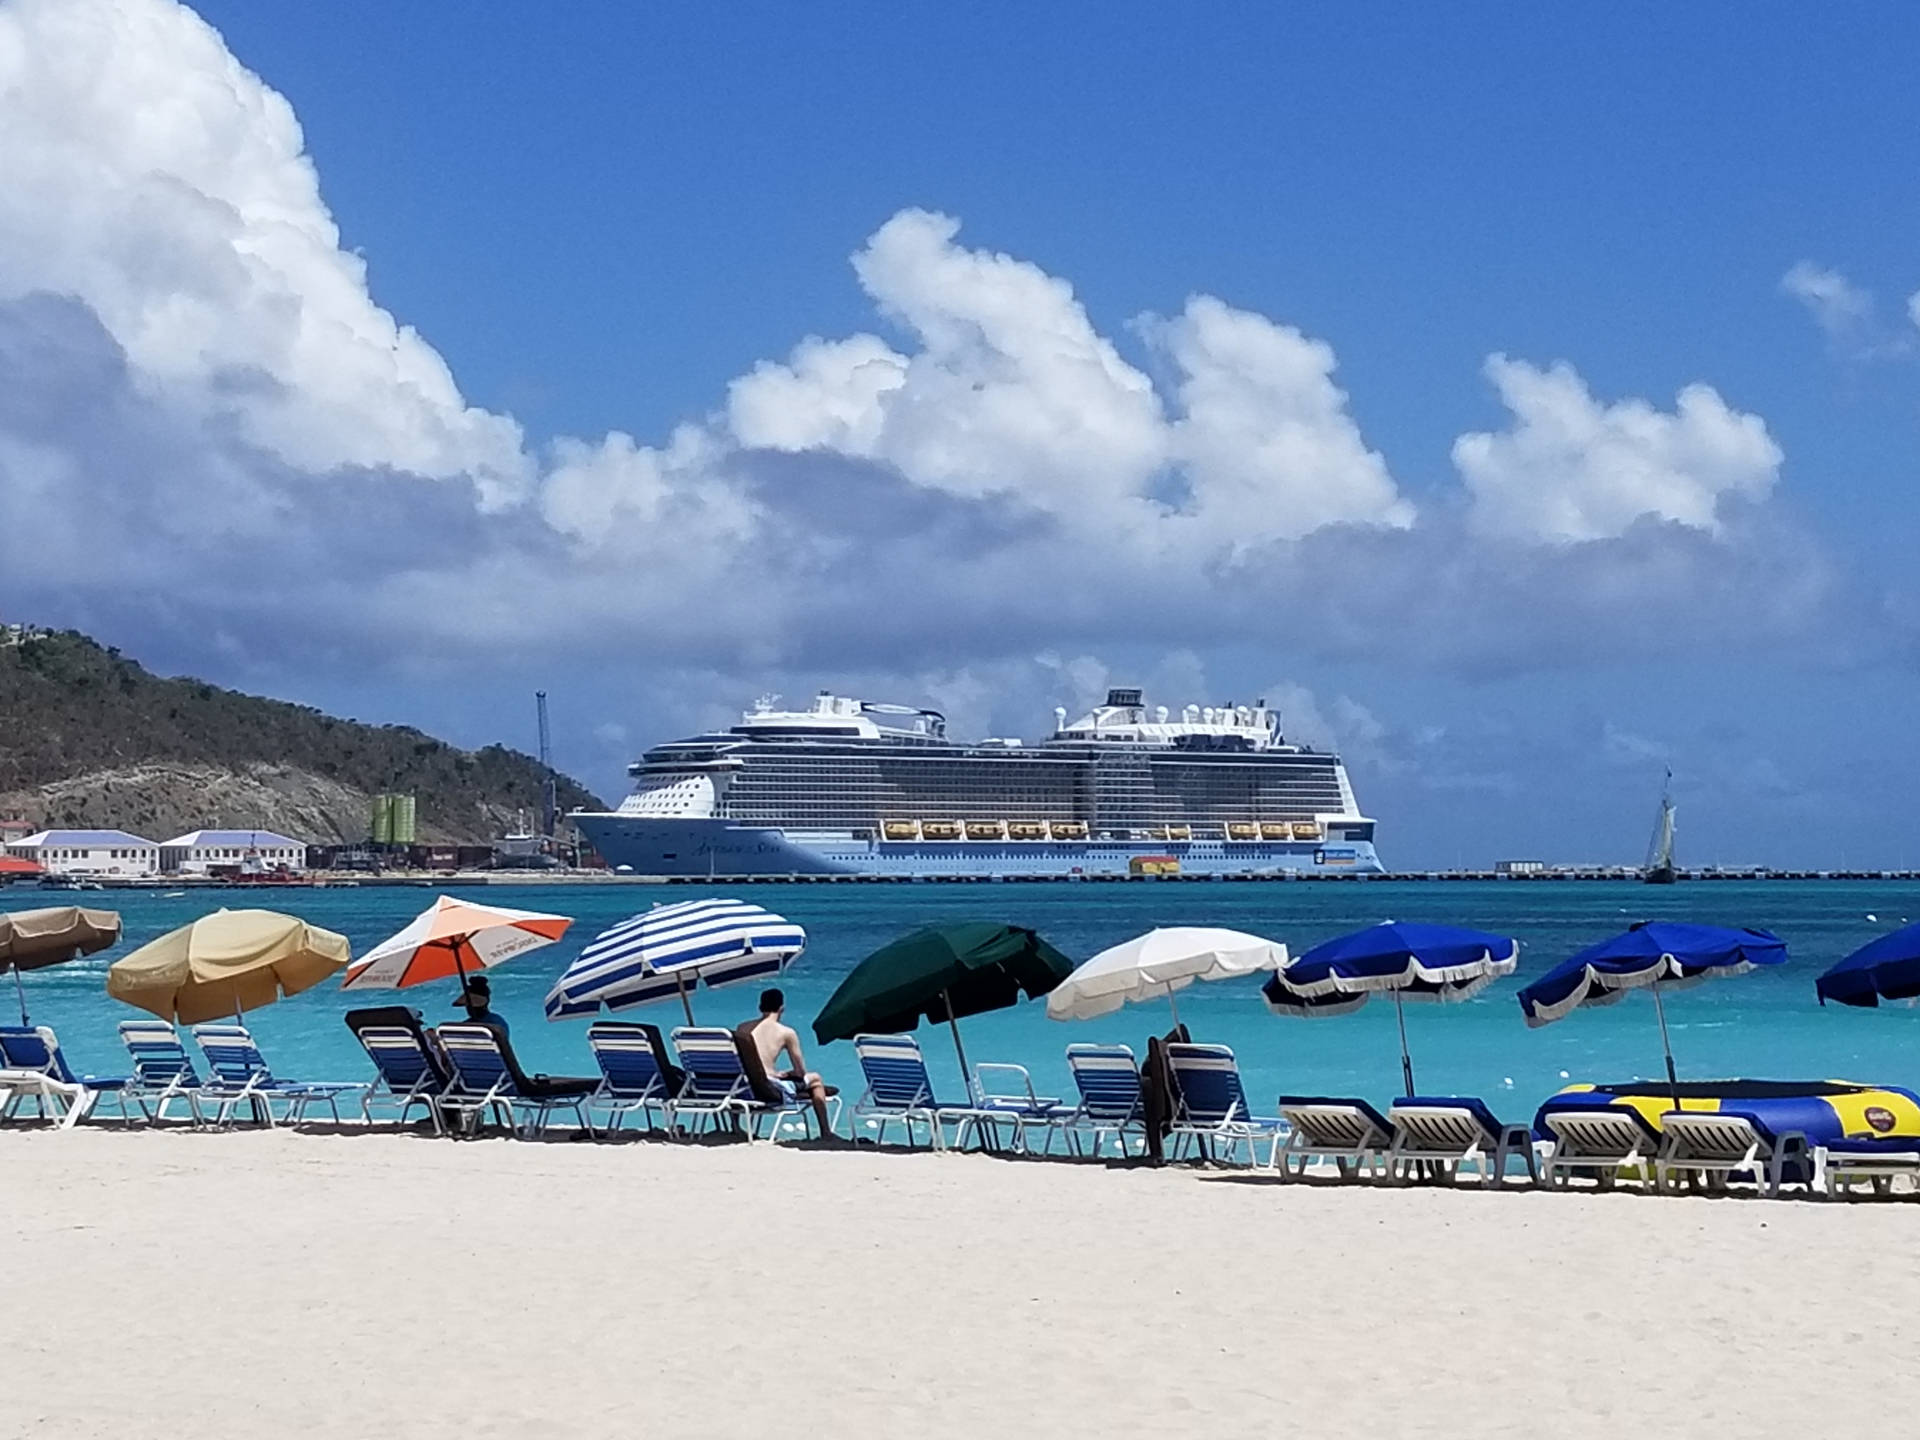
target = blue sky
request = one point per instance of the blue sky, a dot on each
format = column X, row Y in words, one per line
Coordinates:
column 604, row 218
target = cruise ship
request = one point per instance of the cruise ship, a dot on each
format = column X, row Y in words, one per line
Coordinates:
column 845, row 787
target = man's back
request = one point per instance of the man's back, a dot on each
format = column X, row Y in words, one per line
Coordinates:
column 772, row 1038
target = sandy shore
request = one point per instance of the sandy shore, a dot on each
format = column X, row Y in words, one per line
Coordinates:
column 269, row 1285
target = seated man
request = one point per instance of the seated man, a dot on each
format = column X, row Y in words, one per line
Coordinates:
column 779, row 1051
column 477, row 1000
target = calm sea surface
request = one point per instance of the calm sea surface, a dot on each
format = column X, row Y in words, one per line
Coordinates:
column 1763, row 1024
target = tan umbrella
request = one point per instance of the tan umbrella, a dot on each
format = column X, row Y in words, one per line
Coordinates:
column 33, row 939
column 226, row 963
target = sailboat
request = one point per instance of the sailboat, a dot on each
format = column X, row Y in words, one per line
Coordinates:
column 1659, row 868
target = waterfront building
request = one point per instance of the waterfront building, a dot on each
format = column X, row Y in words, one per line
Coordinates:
column 89, row 854
column 207, row 852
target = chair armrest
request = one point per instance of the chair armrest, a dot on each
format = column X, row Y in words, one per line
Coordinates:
column 1026, row 1081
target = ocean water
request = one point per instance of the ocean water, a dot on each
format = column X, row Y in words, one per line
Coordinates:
column 1764, row 1024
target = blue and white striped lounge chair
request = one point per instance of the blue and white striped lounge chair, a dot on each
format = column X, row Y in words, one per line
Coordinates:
column 899, row 1090
column 1351, row 1133
column 1597, row 1141
column 1021, row 1108
column 487, row 1077
column 1213, row 1107
column 631, row 1079
column 162, row 1071
column 1111, row 1102
column 411, row 1070
column 717, row 1087
column 239, row 1076
column 1707, row 1149
column 1450, row 1133
column 29, row 1050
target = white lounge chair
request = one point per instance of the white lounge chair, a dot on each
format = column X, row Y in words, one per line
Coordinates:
column 1707, row 1149
column 1841, row 1165
column 1453, row 1134
column 1597, row 1141
column 1351, row 1133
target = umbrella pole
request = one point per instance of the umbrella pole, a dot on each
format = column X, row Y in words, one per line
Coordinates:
column 685, row 1003
column 966, row 1075
column 21, row 991
column 1174, row 1005
column 1666, row 1046
column 1406, row 1058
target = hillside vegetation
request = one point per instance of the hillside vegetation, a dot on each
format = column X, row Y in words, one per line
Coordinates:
column 90, row 738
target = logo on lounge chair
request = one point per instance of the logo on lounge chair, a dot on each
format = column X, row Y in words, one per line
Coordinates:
column 1880, row 1118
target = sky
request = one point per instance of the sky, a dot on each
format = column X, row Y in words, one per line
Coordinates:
column 1525, row 403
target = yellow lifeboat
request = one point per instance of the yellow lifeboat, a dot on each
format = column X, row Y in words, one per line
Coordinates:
column 1179, row 832
column 1271, row 831
column 1026, row 829
column 1306, row 830
column 1242, row 830
column 1069, row 829
column 939, row 829
column 986, row 830
column 900, row 829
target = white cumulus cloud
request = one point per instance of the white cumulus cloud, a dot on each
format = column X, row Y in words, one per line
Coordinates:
column 1838, row 306
column 1572, row 468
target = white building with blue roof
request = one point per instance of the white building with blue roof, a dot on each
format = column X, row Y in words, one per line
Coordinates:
column 202, row 852
column 95, row 854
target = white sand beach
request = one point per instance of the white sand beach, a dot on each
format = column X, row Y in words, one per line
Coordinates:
column 277, row 1285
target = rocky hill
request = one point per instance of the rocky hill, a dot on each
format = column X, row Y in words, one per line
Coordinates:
column 89, row 738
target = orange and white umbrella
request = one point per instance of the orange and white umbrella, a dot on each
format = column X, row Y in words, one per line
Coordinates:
column 455, row 937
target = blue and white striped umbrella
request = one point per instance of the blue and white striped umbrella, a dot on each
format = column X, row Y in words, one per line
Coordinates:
column 668, row 950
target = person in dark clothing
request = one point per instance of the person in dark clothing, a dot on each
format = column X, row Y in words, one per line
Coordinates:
column 477, row 1000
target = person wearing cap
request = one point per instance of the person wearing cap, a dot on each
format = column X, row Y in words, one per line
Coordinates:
column 477, row 1000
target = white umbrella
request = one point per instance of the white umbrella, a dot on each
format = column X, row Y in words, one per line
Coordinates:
column 1159, row 963
column 455, row 937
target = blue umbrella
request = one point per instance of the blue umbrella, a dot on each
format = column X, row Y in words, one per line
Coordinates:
column 668, row 950
column 1883, row 969
column 1652, row 953
column 1411, row 962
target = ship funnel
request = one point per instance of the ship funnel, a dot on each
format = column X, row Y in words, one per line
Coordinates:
column 1160, row 713
column 1059, row 717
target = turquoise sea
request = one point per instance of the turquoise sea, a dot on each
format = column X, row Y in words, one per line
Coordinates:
column 1763, row 1024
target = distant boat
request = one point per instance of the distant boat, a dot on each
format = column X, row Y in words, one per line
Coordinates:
column 1659, row 867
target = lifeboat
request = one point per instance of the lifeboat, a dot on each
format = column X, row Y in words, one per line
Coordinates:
column 1179, row 832
column 986, row 830
column 1069, row 829
column 1305, row 830
column 939, row 829
column 1242, row 830
column 1141, row 865
column 900, row 829
column 1271, row 831
column 1026, row 830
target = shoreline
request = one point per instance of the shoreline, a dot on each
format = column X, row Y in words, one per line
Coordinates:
column 563, row 1290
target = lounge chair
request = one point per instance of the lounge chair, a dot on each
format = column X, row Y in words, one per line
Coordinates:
column 636, row 1075
column 1453, row 1132
column 1019, row 1107
column 719, row 1087
column 1597, row 1140
column 899, row 1090
column 487, row 1077
column 1351, row 1133
column 29, row 1050
column 162, row 1071
column 1709, row 1148
column 411, row 1068
column 239, row 1075
column 1213, row 1105
column 1876, row 1161
column 1111, row 1099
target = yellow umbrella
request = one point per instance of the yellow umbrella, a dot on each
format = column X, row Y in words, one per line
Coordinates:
column 226, row 963
column 30, row 939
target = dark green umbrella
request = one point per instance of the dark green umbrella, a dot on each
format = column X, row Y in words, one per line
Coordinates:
column 941, row 972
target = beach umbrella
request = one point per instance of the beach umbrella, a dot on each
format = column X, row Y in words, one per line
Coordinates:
column 225, row 964
column 1651, row 954
column 942, row 972
column 453, row 938
column 1883, row 969
column 1158, row 963
column 1428, row 963
column 35, row 939
column 669, row 949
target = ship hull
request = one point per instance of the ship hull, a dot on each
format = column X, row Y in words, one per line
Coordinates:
column 722, row 849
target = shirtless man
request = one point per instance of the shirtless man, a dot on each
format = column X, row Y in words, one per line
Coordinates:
column 780, row 1057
